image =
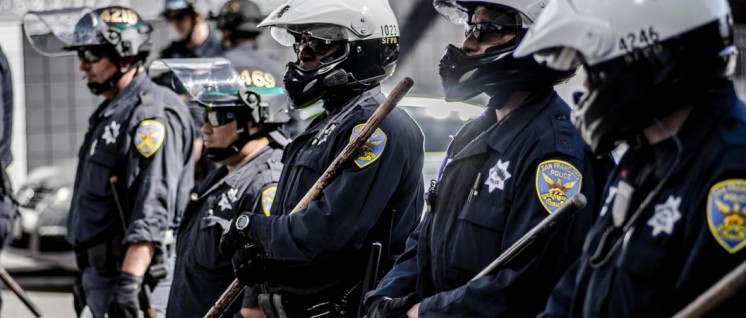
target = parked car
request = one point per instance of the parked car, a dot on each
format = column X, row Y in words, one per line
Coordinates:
column 44, row 198
column 44, row 202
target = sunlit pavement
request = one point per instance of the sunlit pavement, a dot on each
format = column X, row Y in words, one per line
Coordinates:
column 48, row 288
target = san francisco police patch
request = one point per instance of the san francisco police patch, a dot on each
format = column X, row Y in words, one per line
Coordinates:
column 149, row 137
column 372, row 149
column 726, row 210
column 556, row 181
column 268, row 197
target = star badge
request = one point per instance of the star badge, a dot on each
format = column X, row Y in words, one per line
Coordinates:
column 666, row 215
column 111, row 132
column 498, row 174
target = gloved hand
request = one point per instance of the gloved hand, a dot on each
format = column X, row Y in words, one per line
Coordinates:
column 248, row 267
column 233, row 238
column 384, row 307
column 124, row 302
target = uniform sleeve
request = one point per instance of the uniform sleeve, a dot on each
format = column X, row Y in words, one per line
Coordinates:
column 402, row 279
column 159, row 156
column 348, row 207
column 533, row 273
column 561, row 296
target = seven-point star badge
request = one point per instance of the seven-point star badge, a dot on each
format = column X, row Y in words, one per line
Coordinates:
column 666, row 215
column 498, row 174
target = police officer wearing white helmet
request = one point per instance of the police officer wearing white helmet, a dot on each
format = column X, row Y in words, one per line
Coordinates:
column 658, row 79
column 311, row 263
column 504, row 173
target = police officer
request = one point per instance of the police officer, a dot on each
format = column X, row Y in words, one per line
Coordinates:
column 241, row 135
column 670, row 225
column 8, row 207
column 134, row 166
column 238, row 21
column 504, row 173
column 188, row 18
column 312, row 262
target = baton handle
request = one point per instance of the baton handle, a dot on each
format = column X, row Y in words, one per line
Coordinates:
column 542, row 229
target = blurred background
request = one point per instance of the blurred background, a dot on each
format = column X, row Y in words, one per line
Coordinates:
column 52, row 105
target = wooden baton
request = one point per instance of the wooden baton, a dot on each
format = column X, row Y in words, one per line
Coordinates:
column 401, row 89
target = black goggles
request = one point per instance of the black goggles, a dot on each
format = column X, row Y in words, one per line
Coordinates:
column 91, row 54
column 485, row 31
column 216, row 118
column 316, row 45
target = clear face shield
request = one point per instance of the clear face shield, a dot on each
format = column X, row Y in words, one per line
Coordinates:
column 209, row 82
column 49, row 32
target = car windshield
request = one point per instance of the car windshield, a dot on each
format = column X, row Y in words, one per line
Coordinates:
column 440, row 124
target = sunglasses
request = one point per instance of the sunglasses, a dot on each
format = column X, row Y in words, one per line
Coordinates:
column 90, row 55
column 316, row 45
column 216, row 118
column 485, row 31
column 179, row 16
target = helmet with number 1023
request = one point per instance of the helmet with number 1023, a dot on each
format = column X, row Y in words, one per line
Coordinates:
column 495, row 72
column 367, row 30
column 643, row 58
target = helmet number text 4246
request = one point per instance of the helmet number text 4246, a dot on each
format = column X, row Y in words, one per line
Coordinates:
column 632, row 41
column 257, row 78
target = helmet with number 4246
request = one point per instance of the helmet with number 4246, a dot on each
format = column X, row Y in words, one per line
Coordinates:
column 643, row 59
column 368, row 30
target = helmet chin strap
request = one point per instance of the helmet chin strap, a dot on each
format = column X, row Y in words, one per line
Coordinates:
column 111, row 82
column 220, row 154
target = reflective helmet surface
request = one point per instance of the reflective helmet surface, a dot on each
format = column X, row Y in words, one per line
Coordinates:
column 496, row 72
column 214, row 83
column 120, row 27
column 368, row 29
column 239, row 16
column 200, row 7
column 640, row 69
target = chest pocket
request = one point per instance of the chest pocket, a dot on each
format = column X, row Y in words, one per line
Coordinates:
column 306, row 169
column 206, row 240
column 100, row 167
column 478, row 234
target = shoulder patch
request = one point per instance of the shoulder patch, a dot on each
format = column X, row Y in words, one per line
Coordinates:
column 556, row 181
column 726, row 210
column 149, row 137
column 268, row 197
column 372, row 149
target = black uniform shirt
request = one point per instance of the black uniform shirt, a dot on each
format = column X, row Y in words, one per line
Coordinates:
column 320, row 252
column 689, row 234
column 201, row 274
column 143, row 137
column 499, row 182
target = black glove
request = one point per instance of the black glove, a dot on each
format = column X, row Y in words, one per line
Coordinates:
column 248, row 267
column 124, row 302
column 384, row 307
column 233, row 238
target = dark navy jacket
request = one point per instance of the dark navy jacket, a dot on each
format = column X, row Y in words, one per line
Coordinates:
column 6, row 110
column 320, row 253
column 688, row 236
column 211, row 47
column 499, row 181
column 201, row 274
column 143, row 137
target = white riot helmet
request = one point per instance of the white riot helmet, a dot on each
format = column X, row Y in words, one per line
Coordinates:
column 367, row 29
column 496, row 72
column 644, row 59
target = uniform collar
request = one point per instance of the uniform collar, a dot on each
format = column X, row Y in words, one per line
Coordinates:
column 125, row 97
column 506, row 132
column 234, row 179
